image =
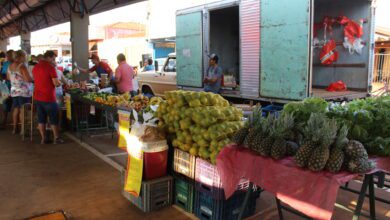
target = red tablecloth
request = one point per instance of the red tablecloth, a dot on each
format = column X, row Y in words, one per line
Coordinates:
column 312, row 193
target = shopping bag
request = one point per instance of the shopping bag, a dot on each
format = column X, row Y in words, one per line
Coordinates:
column 329, row 54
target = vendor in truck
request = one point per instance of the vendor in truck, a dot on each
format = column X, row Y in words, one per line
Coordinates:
column 213, row 79
column 100, row 67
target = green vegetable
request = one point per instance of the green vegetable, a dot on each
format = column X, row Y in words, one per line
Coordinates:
column 302, row 110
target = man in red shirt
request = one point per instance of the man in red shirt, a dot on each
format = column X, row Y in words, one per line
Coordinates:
column 45, row 79
column 100, row 67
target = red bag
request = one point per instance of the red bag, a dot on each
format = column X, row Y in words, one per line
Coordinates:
column 328, row 54
column 338, row 86
column 352, row 29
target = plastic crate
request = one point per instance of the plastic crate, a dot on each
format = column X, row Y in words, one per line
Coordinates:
column 271, row 109
column 207, row 208
column 207, row 180
column 154, row 195
column 184, row 192
column 184, row 163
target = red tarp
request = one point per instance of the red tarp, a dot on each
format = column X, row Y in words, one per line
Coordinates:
column 312, row 193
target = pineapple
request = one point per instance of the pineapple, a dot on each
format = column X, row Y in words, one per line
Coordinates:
column 264, row 143
column 356, row 150
column 312, row 135
column 291, row 148
column 302, row 156
column 256, row 117
column 279, row 149
column 336, row 158
column 360, row 165
column 320, row 155
column 240, row 135
column 280, row 130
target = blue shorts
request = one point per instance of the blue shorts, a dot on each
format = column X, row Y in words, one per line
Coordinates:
column 19, row 101
column 47, row 109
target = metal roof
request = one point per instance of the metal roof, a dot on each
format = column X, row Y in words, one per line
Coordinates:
column 18, row 16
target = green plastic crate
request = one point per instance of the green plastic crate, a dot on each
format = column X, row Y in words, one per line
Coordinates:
column 184, row 193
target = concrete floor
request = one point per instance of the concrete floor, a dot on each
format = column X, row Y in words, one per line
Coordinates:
column 40, row 178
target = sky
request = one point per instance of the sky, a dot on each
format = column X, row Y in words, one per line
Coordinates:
column 383, row 13
column 164, row 25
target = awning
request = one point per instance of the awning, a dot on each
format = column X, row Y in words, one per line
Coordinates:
column 18, row 16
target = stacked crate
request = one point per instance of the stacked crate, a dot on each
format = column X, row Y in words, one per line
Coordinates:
column 154, row 195
column 210, row 201
column 184, row 174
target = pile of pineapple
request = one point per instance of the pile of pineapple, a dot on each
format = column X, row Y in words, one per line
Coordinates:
column 200, row 123
column 318, row 144
column 270, row 136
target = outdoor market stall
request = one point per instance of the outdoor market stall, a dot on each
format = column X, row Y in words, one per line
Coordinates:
column 313, row 194
column 221, row 159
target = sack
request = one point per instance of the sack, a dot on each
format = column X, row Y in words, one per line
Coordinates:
column 152, row 134
column 329, row 54
column 338, row 86
column 4, row 92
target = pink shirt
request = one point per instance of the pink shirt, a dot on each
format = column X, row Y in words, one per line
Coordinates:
column 124, row 74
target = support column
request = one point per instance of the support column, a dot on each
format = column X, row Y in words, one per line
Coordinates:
column 3, row 44
column 79, row 39
column 25, row 43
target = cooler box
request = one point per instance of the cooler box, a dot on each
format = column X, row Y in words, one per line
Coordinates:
column 155, row 159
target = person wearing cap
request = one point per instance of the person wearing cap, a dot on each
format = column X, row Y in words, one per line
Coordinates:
column 100, row 67
column 213, row 74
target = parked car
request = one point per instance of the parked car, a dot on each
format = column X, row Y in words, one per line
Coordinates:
column 66, row 64
column 156, row 83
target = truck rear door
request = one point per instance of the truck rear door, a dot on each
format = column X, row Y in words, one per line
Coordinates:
column 189, row 49
column 285, row 54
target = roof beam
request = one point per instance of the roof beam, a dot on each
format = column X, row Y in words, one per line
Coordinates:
column 20, row 11
column 44, row 16
column 94, row 6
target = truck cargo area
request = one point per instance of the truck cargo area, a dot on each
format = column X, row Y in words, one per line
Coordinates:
column 224, row 41
column 351, row 68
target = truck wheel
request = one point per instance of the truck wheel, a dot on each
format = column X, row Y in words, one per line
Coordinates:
column 146, row 91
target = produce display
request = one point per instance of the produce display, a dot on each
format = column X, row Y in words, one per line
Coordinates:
column 200, row 123
column 361, row 116
column 322, row 136
column 124, row 100
column 368, row 121
column 268, row 136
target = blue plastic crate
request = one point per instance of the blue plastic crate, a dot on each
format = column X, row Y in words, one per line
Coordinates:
column 271, row 109
column 207, row 208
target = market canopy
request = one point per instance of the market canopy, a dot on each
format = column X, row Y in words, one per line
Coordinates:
column 17, row 16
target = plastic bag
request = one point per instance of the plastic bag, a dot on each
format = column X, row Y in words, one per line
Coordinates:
column 337, row 86
column 329, row 54
column 4, row 92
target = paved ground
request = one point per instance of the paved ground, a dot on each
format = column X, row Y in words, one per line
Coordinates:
column 39, row 178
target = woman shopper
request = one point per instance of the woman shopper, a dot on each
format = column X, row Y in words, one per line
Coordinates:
column 21, row 86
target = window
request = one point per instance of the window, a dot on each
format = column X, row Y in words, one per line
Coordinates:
column 171, row 65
